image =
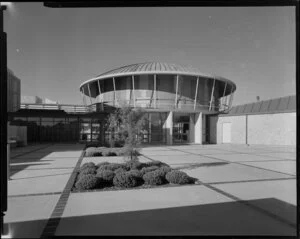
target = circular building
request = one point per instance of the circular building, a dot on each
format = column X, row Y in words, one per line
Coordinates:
column 176, row 98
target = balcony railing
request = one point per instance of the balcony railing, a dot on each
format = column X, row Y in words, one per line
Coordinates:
column 144, row 103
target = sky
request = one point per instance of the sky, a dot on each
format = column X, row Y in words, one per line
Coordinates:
column 54, row 50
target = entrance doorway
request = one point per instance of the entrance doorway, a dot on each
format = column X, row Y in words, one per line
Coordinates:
column 181, row 128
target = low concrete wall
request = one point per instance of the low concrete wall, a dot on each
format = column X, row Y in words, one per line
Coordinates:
column 275, row 129
column 268, row 129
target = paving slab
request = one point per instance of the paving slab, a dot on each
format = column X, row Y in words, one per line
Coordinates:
column 206, row 151
column 241, row 157
column 180, row 161
column 27, row 216
column 165, row 153
column 281, row 155
column 141, row 199
column 54, row 182
column 288, row 167
column 189, row 210
column 232, row 172
column 279, row 196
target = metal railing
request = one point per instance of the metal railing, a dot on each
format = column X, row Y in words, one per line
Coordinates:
column 144, row 103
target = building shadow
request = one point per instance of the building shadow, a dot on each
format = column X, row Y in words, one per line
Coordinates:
column 35, row 157
column 221, row 219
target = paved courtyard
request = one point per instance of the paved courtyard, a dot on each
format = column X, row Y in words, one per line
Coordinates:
column 243, row 190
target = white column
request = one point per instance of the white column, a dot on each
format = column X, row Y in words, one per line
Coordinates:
column 212, row 95
column 133, row 90
column 90, row 94
column 192, row 128
column 155, row 91
column 100, row 97
column 176, row 91
column 198, row 128
column 196, row 92
column 114, row 83
column 168, row 127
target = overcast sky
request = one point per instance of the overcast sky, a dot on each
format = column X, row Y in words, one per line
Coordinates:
column 53, row 50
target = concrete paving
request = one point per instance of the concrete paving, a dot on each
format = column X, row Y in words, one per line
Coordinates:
column 244, row 190
column 38, row 175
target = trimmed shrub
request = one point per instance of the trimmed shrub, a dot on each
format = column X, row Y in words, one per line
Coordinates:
column 87, row 170
column 89, row 152
column 163, row 170
column 106, row 176
column 133, row 164
column 136, row 173
column 120, row 170
column 102, row 163
column 112, row 166
column 88, row 181
column 153, row 178
column 125, row 180
column 177, row 177
column 156, row 163
column 149, row 169
column 88, row 165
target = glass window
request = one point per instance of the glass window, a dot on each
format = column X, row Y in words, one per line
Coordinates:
column 47, row 119
column 33, row 119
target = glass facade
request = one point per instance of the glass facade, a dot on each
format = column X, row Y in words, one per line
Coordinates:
column 59, row 129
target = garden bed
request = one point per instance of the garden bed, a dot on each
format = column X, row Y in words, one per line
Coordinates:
column 130, row 175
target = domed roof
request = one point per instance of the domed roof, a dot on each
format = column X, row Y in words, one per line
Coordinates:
column 153, row 68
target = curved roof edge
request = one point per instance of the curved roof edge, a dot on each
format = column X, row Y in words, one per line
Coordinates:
column 159, row 73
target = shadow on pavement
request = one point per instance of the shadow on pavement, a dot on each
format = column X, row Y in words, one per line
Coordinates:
column 230, row 218
column 35, row 157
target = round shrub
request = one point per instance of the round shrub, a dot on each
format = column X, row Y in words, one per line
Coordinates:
column 153, row 178
column 136, row 173
column 87, row 170
column 148, row 169
column 88, row 181
column 112, row 166
column 89, row 152
column 177, row 177
column 106, row 176
column 102, row 163
column 163, row 170
column 124, row 180
column 88, row 165
column 109, row 152
column 120, row 170
column 156, row 163
column 133, row 164
column 138, row 176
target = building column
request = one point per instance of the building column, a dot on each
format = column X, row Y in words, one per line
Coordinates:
column 198, row 128
column 168, row 127
column 192, row 129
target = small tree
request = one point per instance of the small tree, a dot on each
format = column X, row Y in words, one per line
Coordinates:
column 126, row 124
